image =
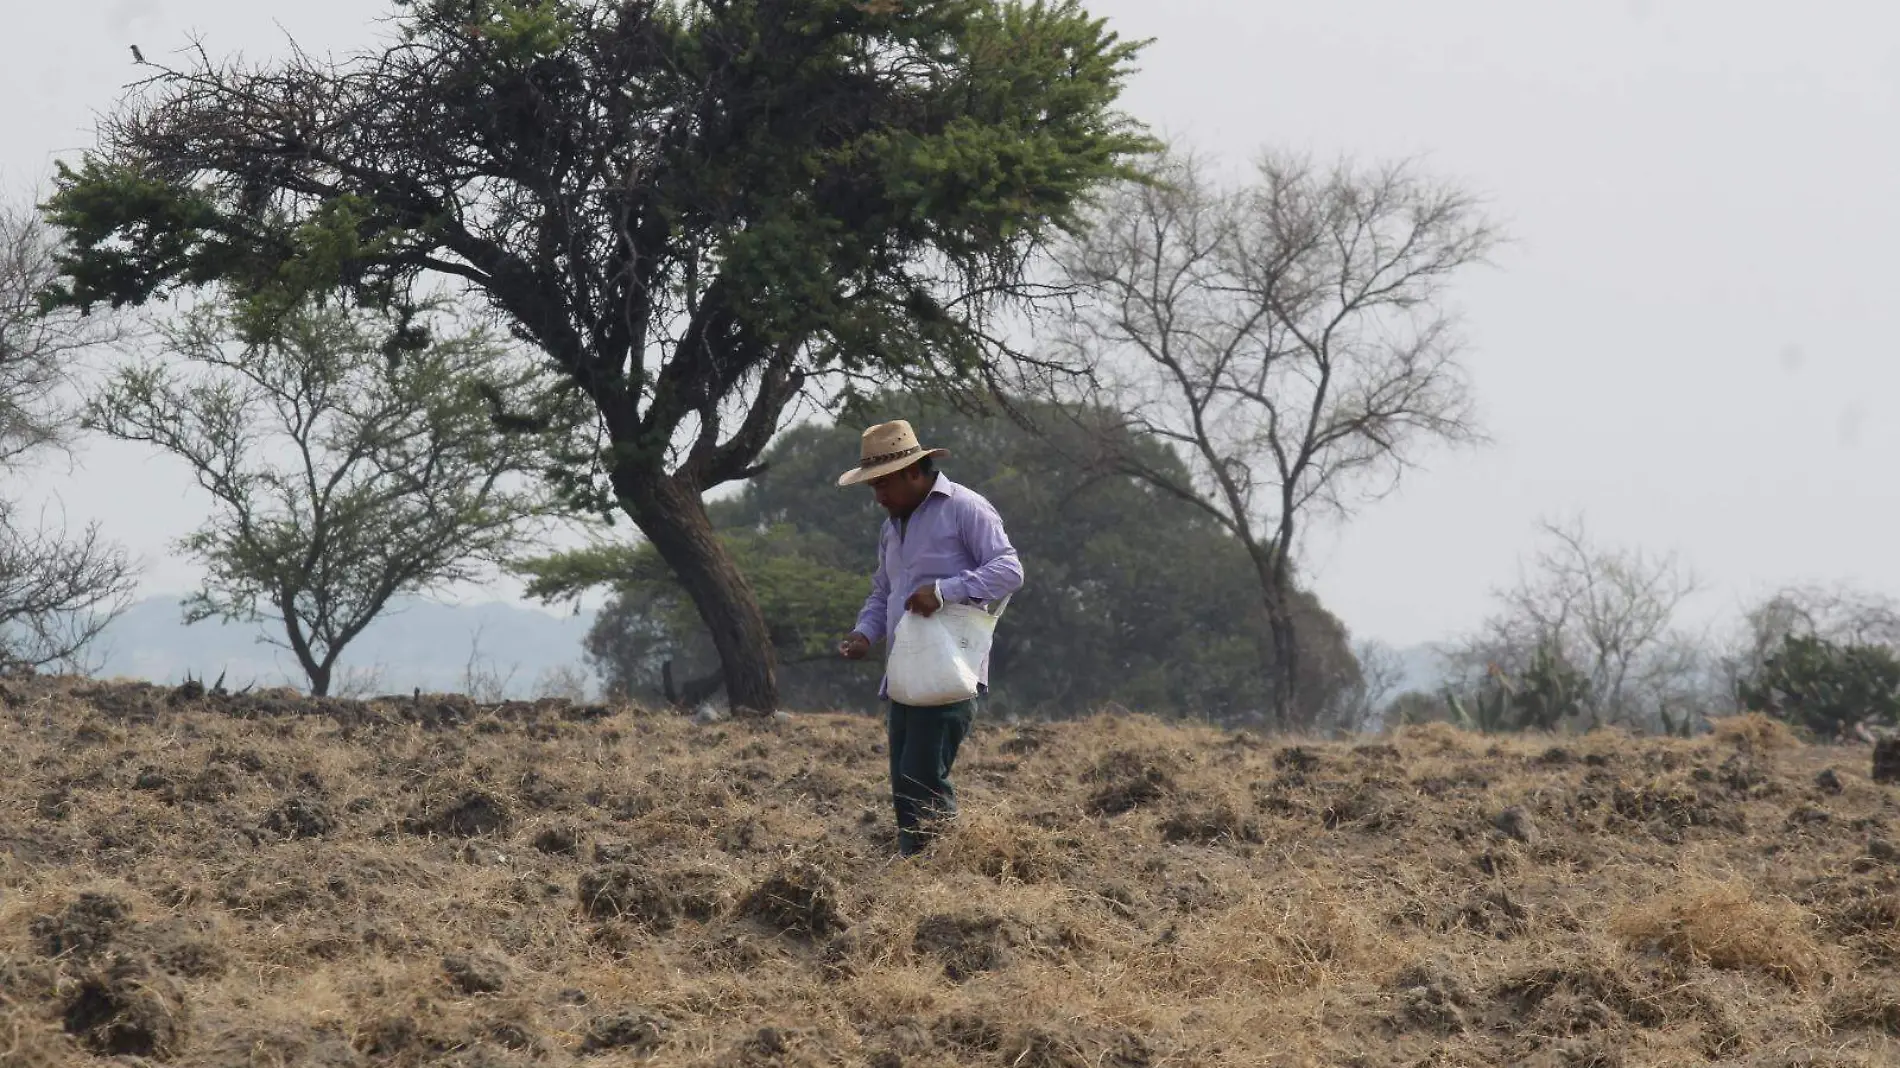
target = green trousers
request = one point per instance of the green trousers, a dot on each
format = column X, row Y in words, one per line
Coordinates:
column 923, row 744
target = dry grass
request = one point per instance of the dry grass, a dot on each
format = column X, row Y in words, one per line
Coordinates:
column 1725, row 924
column 254, row 882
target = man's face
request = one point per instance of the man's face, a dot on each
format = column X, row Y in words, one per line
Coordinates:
column 900, row 492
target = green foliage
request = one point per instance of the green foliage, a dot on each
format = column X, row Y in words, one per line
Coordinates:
column 1827, row 687
column 803, row 598
column 133, row 235
column 350, row 458
column 1132, row 596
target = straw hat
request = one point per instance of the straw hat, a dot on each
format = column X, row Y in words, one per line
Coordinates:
column 887, row 447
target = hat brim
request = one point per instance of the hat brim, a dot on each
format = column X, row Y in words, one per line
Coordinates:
column 860, row 475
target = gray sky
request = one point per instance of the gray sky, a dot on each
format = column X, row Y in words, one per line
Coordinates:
column 1693, row 341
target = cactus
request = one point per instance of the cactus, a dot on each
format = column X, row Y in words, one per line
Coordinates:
column 1459, row 713
column 1553, row 691
column 1490, row 710
column 1549, row 692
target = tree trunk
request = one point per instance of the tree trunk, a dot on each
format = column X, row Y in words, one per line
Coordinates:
column 317, row 673
column 673, row 517
column 1284, row 668
column 1286, row 661
column 695, row 691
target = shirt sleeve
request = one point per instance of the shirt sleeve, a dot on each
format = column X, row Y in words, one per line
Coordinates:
column 872, row 620
column 998, row 573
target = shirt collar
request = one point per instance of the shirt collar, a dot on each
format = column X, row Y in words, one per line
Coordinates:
column 942, row 488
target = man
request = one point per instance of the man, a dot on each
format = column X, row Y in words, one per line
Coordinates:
column 942, row 543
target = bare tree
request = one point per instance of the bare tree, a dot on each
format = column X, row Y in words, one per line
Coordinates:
column 57, row 590
column 1608, row 613
column 1287, row 337
column 1381, row 672
column 352, row 457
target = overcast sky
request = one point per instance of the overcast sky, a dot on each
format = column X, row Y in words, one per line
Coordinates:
column 1694, row 341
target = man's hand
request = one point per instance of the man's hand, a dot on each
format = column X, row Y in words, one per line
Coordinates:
column 855, row 647
column 925, row 601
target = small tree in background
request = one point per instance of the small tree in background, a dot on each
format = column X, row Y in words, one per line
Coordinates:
column 1360, row 705
column 1607, row 614
column 1829, row 688
column 58, row 589
column 350, row 458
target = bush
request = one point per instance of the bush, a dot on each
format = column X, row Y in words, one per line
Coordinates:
column 1829, row 688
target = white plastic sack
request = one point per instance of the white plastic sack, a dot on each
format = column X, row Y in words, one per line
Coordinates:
column 934, row 659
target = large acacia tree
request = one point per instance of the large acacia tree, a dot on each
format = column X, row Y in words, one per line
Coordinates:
column 696, row 208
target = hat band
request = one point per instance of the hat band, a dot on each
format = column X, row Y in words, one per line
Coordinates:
column 873, row 461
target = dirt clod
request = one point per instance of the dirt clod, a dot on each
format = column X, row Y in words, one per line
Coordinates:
column 476, row 974
column 299, row 817
column 1431, row 997
column 151, row 778
column 468, row 815
column 1219, row 822
column 180, row 947
column 389, row 1035
column 85, row 928
column 1128, row 780
column 123, row 1010
column 1368, row 808
column 968, row 944
column 559, row 841
column 800, row 898
column 1517, row 823
column 636, row 1030
column 659, row 900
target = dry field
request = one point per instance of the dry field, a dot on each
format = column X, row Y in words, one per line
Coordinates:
column 237, row 881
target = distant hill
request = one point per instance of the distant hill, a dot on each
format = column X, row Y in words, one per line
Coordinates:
column 419, row 644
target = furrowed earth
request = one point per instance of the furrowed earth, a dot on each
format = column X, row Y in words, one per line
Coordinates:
column 204, row 879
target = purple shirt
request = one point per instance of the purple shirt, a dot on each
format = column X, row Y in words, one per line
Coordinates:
column 954, row 538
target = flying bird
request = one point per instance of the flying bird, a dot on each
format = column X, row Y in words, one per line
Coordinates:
column 137, row 56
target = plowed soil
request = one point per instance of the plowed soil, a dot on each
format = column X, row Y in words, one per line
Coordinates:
column 202, row 879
